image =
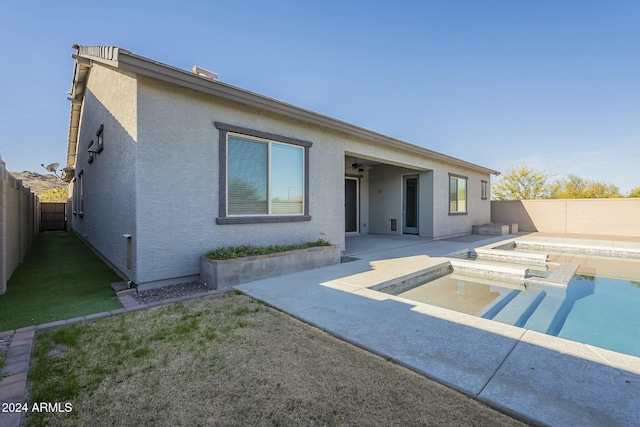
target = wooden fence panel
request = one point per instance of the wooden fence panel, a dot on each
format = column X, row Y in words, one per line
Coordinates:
column 53, row 217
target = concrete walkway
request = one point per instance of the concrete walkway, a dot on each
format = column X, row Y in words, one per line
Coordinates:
column 534, row 377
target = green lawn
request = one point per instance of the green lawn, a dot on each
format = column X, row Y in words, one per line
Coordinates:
column 60, row 278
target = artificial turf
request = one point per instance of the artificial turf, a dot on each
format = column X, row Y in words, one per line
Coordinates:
column 60, row 278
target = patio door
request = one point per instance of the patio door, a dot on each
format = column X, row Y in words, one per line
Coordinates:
column 351, row 205
column 410, row 204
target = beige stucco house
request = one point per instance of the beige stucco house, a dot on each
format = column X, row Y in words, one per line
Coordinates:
column 165, row 164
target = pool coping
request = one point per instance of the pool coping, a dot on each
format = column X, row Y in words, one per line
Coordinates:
column 611, row 248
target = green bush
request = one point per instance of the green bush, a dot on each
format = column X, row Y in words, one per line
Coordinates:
column 234, row 252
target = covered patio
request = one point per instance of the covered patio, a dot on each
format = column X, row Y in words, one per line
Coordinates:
column 371, row 246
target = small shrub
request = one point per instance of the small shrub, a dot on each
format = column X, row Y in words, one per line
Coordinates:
column 233, row 252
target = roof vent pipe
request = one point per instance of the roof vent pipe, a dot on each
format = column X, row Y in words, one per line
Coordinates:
column 204, row 73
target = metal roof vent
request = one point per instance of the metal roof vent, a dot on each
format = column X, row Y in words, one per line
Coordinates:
column 204, row 73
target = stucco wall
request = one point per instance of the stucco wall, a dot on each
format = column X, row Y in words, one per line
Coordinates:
column 478, row 210
column 426, row 204
column 386, row 187
column 177, row 166
column 157, row 179
column 614, row 217
column 178, row 201
column 109, row 181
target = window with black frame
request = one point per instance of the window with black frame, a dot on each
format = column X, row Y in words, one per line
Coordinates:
column 457, row 194
column 263, row 177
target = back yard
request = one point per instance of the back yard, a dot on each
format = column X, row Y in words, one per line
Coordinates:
column 231, row 360
column 220, row 360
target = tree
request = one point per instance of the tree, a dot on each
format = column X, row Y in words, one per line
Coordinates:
column 574, row 187
column 635, row 192
column 522, row 183
column 59, row 194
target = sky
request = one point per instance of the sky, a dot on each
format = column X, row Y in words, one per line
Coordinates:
column 551, row 84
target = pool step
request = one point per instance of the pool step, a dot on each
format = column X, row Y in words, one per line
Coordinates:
column 512, row 257
column 490, row 311
column 518, row 311
column 560, row 277
column 547, row 310
column 493, row 271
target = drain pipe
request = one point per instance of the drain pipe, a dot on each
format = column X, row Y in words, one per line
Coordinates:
column 128, row 238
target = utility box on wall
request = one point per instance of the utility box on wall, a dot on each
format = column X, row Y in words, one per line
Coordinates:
column 394, row 224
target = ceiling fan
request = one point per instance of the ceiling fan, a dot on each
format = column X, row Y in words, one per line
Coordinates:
column 361, row 167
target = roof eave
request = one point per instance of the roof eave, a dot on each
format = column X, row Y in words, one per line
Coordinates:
column 76, row 98
column 128, row 61
column 147, row 67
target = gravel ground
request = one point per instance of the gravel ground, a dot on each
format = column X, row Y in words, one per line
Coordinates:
column 188, row 288
column 172, row 291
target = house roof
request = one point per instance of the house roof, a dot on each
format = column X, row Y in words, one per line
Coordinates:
column 123, row 59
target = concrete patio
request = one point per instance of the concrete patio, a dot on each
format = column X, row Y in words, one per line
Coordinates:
column 534, row 377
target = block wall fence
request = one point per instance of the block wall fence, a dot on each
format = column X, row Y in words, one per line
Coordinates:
column 19, row 223
column 608, row 217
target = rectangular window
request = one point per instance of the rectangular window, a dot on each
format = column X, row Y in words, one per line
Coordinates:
column 100, row 141
column 247, row 177
column 457, row 194
column 75, row 196
column 91, row 151
column 264, row 177
column 78, row 193
column 286, row 184
column 483, row 189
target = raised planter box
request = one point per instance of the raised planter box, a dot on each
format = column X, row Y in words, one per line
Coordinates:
column 222, row 274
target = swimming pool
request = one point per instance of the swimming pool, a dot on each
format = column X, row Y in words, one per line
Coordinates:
column 602, row 309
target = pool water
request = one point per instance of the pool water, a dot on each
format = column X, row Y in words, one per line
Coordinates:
column 464, row 296
column 607, row 314
column 597, row 265
column 601, row 311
